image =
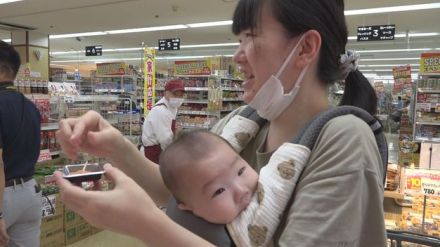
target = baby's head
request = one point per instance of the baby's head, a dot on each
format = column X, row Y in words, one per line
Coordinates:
column 207, row 176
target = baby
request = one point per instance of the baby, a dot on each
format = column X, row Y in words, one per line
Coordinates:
column 207, row 177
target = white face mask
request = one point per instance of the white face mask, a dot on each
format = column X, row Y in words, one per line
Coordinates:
column 176, row 102
column 270, row 100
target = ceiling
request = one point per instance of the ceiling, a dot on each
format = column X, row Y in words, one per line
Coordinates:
column 64, row 17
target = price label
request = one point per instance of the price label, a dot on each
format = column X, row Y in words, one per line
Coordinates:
column 430, row 187
column 413, row 183
column 44, row 155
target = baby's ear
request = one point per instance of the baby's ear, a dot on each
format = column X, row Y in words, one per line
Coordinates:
column 184, row 207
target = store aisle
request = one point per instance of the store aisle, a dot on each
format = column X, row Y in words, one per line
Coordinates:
column 393, row 147
column 108, row 239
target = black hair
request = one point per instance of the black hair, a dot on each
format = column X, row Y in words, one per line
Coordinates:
column 186, row 150
column 9, row 60
column 327, row 18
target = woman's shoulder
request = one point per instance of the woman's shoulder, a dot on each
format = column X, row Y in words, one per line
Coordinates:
column 218, row 127
column 345, row 144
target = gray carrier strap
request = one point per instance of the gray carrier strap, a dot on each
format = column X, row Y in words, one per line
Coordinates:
column 309, row 135
column 217, row 234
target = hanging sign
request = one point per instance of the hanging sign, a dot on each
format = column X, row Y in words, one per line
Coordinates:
column 402, row 79
column 201, row 67
column 149, row 79
column 110, row 68
column 430, row 62
column 169, row 44
column 376, row 33
column 95, row 50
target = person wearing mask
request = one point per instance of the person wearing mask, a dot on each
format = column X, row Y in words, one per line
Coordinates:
column 290, row 52
column 21, row 203
column 159, row 126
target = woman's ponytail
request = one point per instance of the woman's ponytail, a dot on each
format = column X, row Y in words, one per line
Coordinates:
column 359, row 92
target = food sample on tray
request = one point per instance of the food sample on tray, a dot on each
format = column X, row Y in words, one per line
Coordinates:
column 83, row 172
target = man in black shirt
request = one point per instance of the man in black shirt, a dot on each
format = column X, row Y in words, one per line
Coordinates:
column 20, row 195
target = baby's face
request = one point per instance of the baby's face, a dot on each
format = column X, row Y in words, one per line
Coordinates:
column 220, row 186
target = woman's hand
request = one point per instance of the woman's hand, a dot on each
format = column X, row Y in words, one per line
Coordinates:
column 89, row 133
column 126, row 209
column 119, row 210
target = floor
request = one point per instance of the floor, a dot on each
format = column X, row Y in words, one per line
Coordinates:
column 108, row 239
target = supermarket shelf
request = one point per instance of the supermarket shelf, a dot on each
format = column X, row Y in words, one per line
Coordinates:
column 193, row 112
column 393, row 194
column 53, row 153
column 427, row 139
column 187, row 89
column 193, row 76
column 227, row 110
column 196, row 101
column 96, row 98
column 428, row 74
column 232, row 89
column 49, row 126
column 232, row 79
column 428, row 123
column 232, row 99
column 109, row 90
column 424, row 90
column 190, row 126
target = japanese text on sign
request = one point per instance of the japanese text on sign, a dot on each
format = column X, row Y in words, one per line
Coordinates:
column 149, row 79
column 423, row 181
column 376, row 33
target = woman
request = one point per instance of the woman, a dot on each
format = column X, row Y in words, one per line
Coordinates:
column 290, row 46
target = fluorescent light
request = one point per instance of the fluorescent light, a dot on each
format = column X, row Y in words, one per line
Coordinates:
column 72, row 35
column 388, row 59
column 423, row 34
column 385, row 65
column 147, row 29
column 9, row 1
column 210, row 24
column 210, row 45
column 394, row 50
column 64, row 52
column 7, row 40
column 392, row 9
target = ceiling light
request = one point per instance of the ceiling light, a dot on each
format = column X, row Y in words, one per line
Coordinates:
column 210, row 24
column 423, row 34
column 9, row 1
column 72, row 35
column 386, row 65
column 395, row 50
column 210, row 45
column 7, row 40
column 147, row 29
column 392, row 9
column 389, row 59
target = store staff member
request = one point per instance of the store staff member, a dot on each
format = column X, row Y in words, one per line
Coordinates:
column 160, row 125
column 21, row 204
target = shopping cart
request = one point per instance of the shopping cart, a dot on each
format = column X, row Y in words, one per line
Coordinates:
column 402, row 238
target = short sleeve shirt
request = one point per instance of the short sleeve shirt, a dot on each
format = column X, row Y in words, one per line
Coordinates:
column 19, row 134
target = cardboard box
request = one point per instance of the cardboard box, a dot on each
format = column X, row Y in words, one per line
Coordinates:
column 49, row 224
column 77, row 232
column 71, row 218
column 52, row 238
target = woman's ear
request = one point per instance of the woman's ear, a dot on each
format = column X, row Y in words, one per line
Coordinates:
column 184, row 207
column 310, row 48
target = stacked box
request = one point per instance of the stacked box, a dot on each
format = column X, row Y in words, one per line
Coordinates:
column 52, row 231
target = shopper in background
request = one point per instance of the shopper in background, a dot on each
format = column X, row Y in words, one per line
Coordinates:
column 160, row 124
column 290, row 51
column 21, row 204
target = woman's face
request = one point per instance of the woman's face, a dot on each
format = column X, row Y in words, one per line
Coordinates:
column 262, row 53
